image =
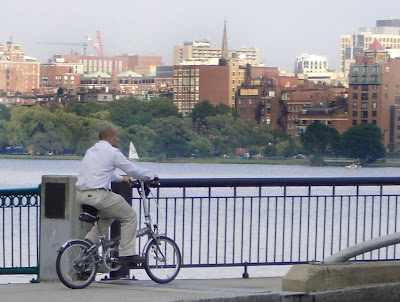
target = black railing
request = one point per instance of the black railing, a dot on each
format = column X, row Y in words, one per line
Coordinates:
column 237, row 222
column 233, row 222
column 19, row 235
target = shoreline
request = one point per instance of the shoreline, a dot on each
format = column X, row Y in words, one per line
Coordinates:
column 216, row 160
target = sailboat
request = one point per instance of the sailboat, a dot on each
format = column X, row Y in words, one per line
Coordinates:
column 133, row 155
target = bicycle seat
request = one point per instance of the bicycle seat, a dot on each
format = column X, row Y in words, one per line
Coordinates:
column 89, row 214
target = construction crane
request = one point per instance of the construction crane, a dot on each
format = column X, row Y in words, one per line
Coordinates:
column 98, row 47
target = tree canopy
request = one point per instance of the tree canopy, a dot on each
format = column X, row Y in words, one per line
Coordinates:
column 363, row 141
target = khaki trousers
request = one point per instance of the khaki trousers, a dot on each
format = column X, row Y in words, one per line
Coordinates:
column 112, row 207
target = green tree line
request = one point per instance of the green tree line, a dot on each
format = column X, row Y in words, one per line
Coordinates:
column 158, row 130
column 155, row 127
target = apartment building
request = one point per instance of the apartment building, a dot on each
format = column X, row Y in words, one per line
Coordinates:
column 387, row 32
column 374, row 88
column 201, row 51
column 193, row 84
column 60, row 74
column 18, row 73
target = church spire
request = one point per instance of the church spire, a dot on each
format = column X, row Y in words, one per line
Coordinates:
column 224, row 52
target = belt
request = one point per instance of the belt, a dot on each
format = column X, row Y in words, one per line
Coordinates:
column 94, row 189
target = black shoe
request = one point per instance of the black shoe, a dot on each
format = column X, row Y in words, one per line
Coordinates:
column 132, row 259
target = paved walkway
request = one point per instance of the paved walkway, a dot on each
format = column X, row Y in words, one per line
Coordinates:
column 253, row 289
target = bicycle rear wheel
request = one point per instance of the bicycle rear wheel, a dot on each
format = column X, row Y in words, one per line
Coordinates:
column 163, row 260
column 75, row 268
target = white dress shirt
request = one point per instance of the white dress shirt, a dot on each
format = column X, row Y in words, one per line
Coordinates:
column 99, row 164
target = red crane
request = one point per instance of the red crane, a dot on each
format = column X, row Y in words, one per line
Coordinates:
column 98, row 47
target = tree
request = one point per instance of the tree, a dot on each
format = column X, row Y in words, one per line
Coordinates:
column 172, row 137
column 202, row 110
column 363, row 141
column 84, row 109
column 4, row 113
column 320, row 139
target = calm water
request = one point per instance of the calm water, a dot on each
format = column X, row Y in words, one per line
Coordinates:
column 27, row 173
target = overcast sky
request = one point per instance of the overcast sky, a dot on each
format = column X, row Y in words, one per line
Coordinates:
column 281, row 29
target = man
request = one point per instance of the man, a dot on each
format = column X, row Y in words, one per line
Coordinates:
column 93, row 188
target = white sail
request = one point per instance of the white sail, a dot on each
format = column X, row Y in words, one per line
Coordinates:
column 133, row 155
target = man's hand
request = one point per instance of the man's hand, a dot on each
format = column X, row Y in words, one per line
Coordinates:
column 126, row 179
column 156, row 180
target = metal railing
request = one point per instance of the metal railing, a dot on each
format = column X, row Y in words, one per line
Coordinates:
column 20, row 228
column 240, row 222
column 237, row 222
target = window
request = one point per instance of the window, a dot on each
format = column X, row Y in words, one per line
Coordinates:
column 374, row 105
column 364, row 114
column 354, row 104
column 354, row 122
column 354, row 113
column 364, row 87
column 364, row 105
column 373, row 113
column 355, row 96
column 355, row 87
column 364, row 96
column 374, row 87
column 374, row 96
column 242, row 101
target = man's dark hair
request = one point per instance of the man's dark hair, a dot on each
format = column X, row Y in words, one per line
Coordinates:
column 105, row 131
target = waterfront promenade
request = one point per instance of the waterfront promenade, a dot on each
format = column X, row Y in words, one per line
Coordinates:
column 253, row 289
column 213, row 290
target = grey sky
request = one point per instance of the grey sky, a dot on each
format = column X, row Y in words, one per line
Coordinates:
column 281, row 29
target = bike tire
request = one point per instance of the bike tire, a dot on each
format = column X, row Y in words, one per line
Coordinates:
column 73, row 272
column 163, row 260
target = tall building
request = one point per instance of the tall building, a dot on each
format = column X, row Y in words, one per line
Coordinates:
column 202, row 51
column 387, row 32
column 193, row 84
column 374, row 90
column 18, row 73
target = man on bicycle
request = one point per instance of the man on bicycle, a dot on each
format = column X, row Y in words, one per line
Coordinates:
column 93, row 188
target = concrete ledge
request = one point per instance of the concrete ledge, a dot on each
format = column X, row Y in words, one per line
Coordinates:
column 389, row 292
column 321, row 277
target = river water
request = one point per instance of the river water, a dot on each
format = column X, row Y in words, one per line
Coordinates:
column 27, row 173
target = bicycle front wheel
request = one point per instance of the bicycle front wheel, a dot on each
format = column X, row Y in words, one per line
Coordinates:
column 75, row 267
column 163, row 260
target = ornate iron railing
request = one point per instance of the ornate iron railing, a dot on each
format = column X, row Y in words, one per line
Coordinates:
column 20, row 228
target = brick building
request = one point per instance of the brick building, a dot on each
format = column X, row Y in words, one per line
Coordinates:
column 18, row 74
column 193, row 84
column 53, row 76
column 374, row 88
column 290, row 104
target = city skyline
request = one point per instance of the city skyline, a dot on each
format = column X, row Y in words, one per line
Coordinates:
column 280, row 31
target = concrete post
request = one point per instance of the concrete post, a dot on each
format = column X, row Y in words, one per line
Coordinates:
column 59, row 221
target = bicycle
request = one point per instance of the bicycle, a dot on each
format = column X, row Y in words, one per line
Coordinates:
column 78, row 261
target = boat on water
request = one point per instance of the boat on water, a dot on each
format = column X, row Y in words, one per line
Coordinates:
column 133, row 155
column 353, row 166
